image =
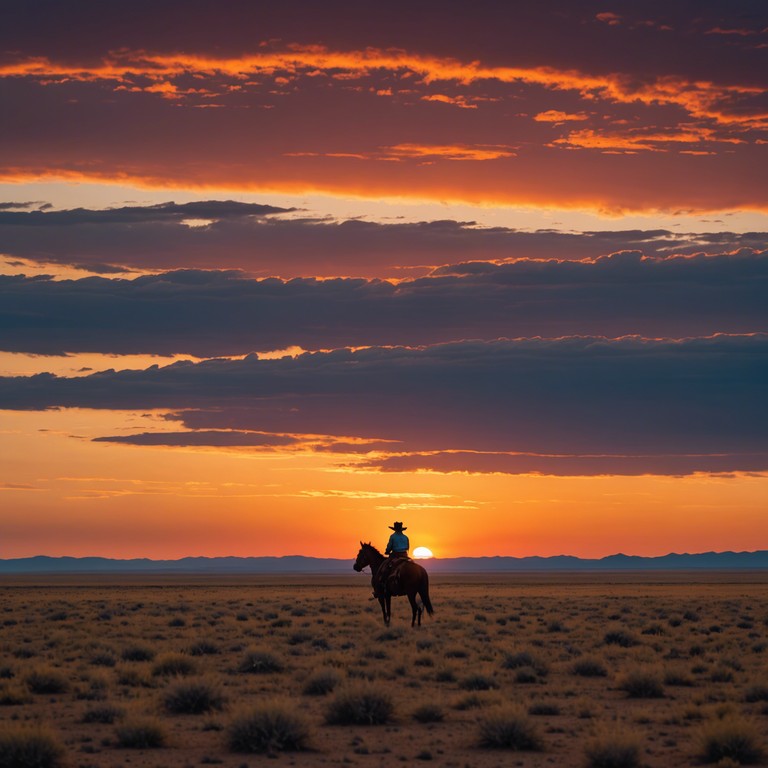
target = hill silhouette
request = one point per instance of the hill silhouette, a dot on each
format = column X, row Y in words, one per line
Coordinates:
column 302, row 564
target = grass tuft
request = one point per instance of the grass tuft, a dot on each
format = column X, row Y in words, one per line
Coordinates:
column 612, row 750
column 732, row 738
column 106, row 713
column 173, row 665
column 620, row 638
column 137, row 653
column 588, row 668
column 22, row 747
column 642, row 684
column 429, row 713
column 259, row 663
column 360, row 706
column 192, row 697
column 141, row 733
column 508, row 728
column 322, row 683
column 46, row 680
column 268, row 728
column 478, row 683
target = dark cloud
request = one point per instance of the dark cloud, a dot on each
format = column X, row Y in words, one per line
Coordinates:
column 202, row 438
column 207, row 314
column 246, row 236
column 16, row 206
column 139, row 214
column 478, row 462
column 555, row 32
column 575, row 397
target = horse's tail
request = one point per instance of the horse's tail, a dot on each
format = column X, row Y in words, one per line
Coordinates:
column 424, row 594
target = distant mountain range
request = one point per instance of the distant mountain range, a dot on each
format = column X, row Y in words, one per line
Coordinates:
column 301, row 564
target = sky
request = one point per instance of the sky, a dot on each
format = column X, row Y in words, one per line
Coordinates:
column 273, row 277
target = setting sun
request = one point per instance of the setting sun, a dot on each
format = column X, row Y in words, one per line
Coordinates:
column 422, row 553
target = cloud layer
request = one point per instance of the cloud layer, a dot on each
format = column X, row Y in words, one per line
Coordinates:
column 604, row 404
column 209, row 313
column 260, row 241
column 456, row 113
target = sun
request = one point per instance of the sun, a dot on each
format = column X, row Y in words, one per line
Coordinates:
column 422, row 553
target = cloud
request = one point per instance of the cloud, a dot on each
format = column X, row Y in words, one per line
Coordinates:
column 203, row 438
column 256, row 239
column 556, row 116
column 571, row 465
column 583, row 405
column 211, row 313
column 133, row 105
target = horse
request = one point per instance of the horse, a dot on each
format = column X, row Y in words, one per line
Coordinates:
column 412, row 580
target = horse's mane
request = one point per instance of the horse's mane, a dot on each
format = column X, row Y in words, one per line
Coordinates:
column 368, row 545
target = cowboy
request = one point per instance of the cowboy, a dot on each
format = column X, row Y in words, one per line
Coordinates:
column 398, row 544
column 397, row 549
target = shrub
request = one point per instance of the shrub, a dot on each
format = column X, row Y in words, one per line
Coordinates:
column 133, row 678
column 612, row 750
column 259, row 663
column 642, row 684
column 672, row 677
column 473, row 701
column 429, row 713
column 142, row 733
column 721, row 675
column 588, row 668
column 192, row 697
column 360, row 706
column 137, row 653
column 322, row 683
column 171, row 664
column 525, row 659
column 758, row 692
column 478, row 683
column 445, row 675
column 508, row 728
column 103, row 659
column 14, row 695
column 203, row 648
column 526, row 675
column 106, row 713
column 268, row 728
column 543, row 708
column 731, row 738
column 29, row 748
column 45, row 680
column 620, row 638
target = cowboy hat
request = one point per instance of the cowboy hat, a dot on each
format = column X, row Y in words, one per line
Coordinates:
column 398, row 527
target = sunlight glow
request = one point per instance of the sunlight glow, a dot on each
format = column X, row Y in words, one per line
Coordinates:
column 422, row 553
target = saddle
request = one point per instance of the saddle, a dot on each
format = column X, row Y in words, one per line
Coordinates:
column 388, row 575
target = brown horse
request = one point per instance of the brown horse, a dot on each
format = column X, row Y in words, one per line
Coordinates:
column 412, row 580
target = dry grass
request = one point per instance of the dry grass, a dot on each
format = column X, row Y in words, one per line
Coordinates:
column 613, row 749
column 141, row 733
column 112, row 669
column 732, row 738
column 268, row 728
column 25, row 747
column 508, row 728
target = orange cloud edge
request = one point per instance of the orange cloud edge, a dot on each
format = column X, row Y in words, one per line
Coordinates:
column 370, row 191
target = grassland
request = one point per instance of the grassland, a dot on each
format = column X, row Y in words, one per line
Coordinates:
column 531, row 670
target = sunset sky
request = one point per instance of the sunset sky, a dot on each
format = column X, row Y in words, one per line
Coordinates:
column 273, row 276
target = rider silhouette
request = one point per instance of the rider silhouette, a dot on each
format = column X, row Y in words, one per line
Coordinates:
column 397, row 549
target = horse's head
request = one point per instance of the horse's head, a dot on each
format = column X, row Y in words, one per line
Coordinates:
column 362, row 557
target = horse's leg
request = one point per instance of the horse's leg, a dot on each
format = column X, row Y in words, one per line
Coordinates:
column 389, row 608
column 414, row 608
column 384, row 611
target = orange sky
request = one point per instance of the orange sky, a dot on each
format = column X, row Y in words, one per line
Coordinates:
column 269, row 281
